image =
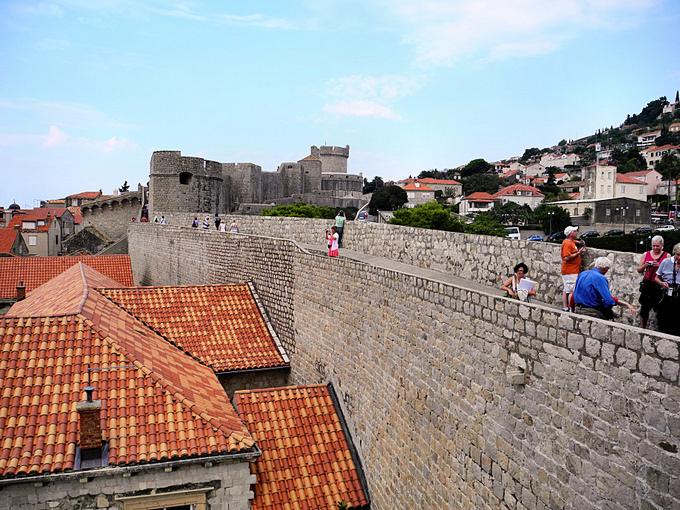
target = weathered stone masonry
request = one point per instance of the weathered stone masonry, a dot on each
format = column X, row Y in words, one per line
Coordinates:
column 420, row 367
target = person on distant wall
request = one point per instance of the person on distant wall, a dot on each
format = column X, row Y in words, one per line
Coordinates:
column 592, row 296
column 668, row 278
column 194, row 224
column 650, row 292
column 217, row 222
column 571, row 265
column 163, row 220
column 340, row 225
column 233, row 228
column 223, row 226
column 513, row 287
column 332, row 239
column 155, row 219
column 206, row 223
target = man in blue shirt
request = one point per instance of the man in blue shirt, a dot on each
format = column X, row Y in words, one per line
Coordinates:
column 592, row 296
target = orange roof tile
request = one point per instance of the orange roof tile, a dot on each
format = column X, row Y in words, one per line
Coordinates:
column 306, row 461
column 35, row 271
column 512, row 189
column 77, row 214
column 157, row 404
column 479, row 196
column 33, row 215
column 415, row 187
column 441, row 182
column 8, row 237
column 625, row 179
column 240, row 338
column 91, row 195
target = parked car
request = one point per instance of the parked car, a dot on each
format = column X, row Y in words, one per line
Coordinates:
column 614, row 232
column 362, row 216
column 535, row 237
column 513, row 233
column 664, row 228
column 588, row 234
column 556, row 237
column 641, row 231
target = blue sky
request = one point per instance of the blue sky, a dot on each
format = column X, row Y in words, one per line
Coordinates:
column 88, row 89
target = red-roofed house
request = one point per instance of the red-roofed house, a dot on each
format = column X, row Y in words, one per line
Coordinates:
column 647, row 139
column 417, row 193
column 654, row 154
column 631, row 187
column 651, row 178
column 41, row 230
column 448, row 187
column 97, row 406
column 12, row 243
column 520, row 194
column 79, row 199
column 476, row 202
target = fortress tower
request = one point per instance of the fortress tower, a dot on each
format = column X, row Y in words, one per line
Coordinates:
column 181, row 183
column 333, row 159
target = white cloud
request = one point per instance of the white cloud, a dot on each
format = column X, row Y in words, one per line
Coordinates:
column 369, row 96
column 444, row 32
column 361, row 109
column 64, row 113
column 55, row 137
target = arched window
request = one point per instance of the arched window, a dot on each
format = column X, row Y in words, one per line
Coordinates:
column 185, row 178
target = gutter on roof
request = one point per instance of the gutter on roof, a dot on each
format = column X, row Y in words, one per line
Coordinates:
column 253, row 370
column 251, row 456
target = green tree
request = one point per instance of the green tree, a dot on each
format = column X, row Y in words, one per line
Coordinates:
column 430, row 215
column 300, row 211
column 433, row 174
column 551, row 217
column 669, row 168
column 476, row 166
column 647, row 117
column 511, row 213
column 387, row 198
column 372, row 186
column 562, row 143
column 486, row 224
column 488, row 183
column 628, row 161
column 529, row 154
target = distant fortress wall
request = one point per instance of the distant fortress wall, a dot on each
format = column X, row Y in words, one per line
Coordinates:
column 455, row 398
column 189, row 184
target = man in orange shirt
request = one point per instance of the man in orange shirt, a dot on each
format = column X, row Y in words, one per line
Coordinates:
column 571, row 265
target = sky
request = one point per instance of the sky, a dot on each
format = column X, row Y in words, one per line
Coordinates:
column 89, row 89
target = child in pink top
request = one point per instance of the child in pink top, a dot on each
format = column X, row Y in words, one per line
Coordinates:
column 332, row 238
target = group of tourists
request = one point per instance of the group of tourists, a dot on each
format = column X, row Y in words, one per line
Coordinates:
column 219, row 224
column 587, row 292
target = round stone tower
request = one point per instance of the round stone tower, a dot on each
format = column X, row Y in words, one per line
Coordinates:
column 333, row 159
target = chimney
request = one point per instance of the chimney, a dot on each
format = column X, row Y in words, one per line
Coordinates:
column 90, row 425
column 21, row 291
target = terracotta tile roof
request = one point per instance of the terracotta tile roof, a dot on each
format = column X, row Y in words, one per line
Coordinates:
column 159, row 404
column 479, row 196
column 310, row 158
column 8, row 237
column 624, row 179
column 661, row 148
column 306, row 460
column 34, row 271
column 441, row 182
column 414, row 187
column 33, row 215
column 575, row 196
column 91, row 195
column 513, row 189
column 238, row 339
column 77, row 214
column 640, row 173
column 509, row 173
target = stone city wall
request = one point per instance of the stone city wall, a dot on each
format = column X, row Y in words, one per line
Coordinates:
column 484, row 259
column 227, row 485
column 427, row 377
column 111, row 217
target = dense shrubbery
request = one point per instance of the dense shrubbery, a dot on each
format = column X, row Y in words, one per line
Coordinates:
column 634, row 244
column 434, row 216
column 301, row 211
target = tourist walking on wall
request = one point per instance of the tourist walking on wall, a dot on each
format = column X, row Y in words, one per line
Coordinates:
column 163, row 220
column 592, row 296
column 217, row 222
column 223, row 227
column 651, row 292
column 233, row 228
column 206, row 223
column 571, row 265
column 332, row 240
column 194, row 223
column 668, row 277
column 155, row 219
column 340, row 225
column 515, row 287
